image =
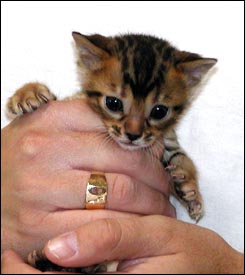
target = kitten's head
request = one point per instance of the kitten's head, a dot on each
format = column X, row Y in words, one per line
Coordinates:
column 140, row 85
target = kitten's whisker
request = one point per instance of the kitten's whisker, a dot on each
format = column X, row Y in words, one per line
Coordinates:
column 148, row 150
column 101, row 134
column 106, row 140
column 101, row 128
column 159, row 145
column 103, row 138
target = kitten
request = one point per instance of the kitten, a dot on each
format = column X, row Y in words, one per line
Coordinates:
column 140, row 86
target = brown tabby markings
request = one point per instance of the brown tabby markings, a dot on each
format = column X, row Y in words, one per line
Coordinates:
column 140, row 65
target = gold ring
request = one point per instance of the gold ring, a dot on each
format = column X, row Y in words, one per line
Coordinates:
column 96, row 191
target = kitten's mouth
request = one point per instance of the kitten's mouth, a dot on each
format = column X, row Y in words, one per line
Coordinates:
column 129, row 145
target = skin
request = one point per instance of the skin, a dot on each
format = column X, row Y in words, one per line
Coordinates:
column 44, row 140
column 169, row 248
column 47, row 158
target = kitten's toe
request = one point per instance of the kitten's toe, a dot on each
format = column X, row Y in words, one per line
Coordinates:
column 190, row 196
column 43, row 94
column 35, row 257
column 28, row 98
column 170, row 167
column 195, row 209
column 13, row 108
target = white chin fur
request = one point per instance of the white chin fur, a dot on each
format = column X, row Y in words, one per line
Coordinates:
column 129, row 147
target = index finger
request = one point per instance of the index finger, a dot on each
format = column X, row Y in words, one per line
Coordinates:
column 73, row 115
column 88, row 151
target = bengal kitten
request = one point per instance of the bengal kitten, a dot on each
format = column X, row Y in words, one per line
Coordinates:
column 140, row 86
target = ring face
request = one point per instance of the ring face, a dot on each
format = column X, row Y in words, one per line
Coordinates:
column 96, row 192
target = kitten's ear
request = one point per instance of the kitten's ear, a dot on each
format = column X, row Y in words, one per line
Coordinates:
column 90, row 52
column 193, row 66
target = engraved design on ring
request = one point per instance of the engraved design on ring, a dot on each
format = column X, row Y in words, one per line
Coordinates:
column 96, row 191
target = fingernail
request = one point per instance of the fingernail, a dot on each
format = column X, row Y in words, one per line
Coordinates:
column 64, row 247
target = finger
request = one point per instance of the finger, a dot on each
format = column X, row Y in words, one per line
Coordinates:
column 71, row 219
column 53, row 115
column 98, row 156
column 74, row 111
column 114, row 239
column 96, row 152
column 128, row 194
column 13, row 264
column 68, row 191
column 87, row 152
column 71, row 120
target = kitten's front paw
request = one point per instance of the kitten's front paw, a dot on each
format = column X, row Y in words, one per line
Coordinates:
column 28, row 98
column 185, row 187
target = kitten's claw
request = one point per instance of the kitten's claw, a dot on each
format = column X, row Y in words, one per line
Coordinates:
column 28, row 98
column 179, row 177
column 169, row 168
column 195, row 210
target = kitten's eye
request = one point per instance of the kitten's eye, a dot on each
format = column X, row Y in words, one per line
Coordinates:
column 158, row 112
column 114, row 104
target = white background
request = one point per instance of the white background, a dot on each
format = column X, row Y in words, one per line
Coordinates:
column 36, row 45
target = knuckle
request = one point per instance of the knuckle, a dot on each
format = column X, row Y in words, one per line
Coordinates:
column 23, row 220
column 123, row 189
column 31, row 144
column 111, row 234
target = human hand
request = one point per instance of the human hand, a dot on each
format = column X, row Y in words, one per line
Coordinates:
column 150, row 244
column 47, row 157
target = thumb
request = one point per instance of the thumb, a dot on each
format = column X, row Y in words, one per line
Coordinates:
column 112, row 239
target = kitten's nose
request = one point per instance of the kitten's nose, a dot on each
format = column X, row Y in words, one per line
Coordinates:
column 132, row 137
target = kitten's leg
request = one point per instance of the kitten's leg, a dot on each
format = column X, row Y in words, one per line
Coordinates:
column 28, row 98
column 184, row 176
